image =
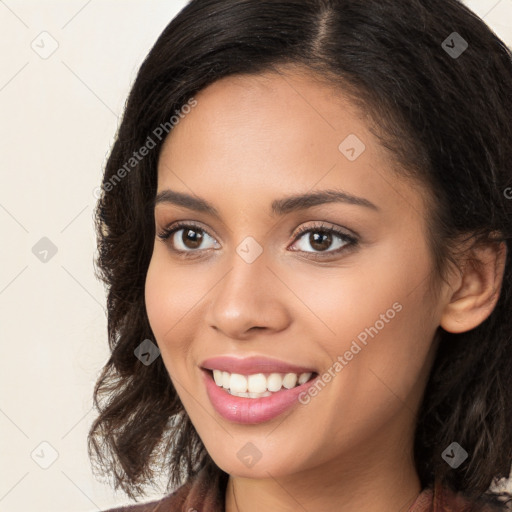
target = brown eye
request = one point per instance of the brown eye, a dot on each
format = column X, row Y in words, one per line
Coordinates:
column 322, row 239
column 186, row 238
column 191, row 238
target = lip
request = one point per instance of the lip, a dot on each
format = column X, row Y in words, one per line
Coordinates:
column 252, row 410
column 254, row 364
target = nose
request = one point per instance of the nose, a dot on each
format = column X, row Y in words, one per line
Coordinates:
column 249, row 299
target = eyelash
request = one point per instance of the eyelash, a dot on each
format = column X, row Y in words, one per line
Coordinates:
column 350, row 241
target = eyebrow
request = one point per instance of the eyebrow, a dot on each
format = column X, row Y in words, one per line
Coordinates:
column 279, row 207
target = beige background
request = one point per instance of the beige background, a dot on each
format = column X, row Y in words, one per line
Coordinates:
column 59, row 115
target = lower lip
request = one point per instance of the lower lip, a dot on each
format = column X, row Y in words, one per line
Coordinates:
column 252, row 410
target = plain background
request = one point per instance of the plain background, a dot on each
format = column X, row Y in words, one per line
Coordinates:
column 59, row 115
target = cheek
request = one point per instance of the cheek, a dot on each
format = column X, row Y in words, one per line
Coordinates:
column 174, row 295
column 166, row 305
column 384, row 323
column 157, row 297
column 387, row 359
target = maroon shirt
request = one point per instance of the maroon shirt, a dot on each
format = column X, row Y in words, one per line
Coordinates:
column 200, row 495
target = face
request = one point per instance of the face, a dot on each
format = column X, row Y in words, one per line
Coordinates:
column 254, row 287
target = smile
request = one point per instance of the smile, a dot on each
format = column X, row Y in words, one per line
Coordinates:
column 258, row 385
column 258, row 407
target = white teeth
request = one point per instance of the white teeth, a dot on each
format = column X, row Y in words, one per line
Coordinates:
column 304, row 377
column 259, row 395
column 238, row 383
column 217, row 377
column 250, row 395
column 289, row 381
column 274, row 382
column 258, row 385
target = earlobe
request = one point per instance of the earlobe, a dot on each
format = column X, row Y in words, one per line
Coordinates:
column 477, row 290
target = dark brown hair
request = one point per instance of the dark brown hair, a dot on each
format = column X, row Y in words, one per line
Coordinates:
column 445, row 118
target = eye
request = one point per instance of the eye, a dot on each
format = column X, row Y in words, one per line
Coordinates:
column 190, row 239
column 321, row 238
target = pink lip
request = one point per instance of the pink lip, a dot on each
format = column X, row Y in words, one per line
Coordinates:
column 251, row 410
column 249, row 365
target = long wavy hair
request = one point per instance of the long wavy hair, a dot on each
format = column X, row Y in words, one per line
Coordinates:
column 445, row 118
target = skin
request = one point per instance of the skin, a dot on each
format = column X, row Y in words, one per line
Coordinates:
column 251, row 140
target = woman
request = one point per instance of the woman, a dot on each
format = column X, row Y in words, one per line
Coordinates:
column 304, row 230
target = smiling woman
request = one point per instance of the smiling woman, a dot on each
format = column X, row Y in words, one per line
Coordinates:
column 309, row 277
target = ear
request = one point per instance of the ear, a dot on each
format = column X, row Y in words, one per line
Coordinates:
column 476, row 289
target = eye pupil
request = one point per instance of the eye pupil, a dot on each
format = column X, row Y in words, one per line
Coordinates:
column 191, row 236
column 314, row 240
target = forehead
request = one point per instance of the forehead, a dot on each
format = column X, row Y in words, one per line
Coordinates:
column 266, row 134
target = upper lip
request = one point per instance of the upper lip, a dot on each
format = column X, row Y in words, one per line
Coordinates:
column 251, row 365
